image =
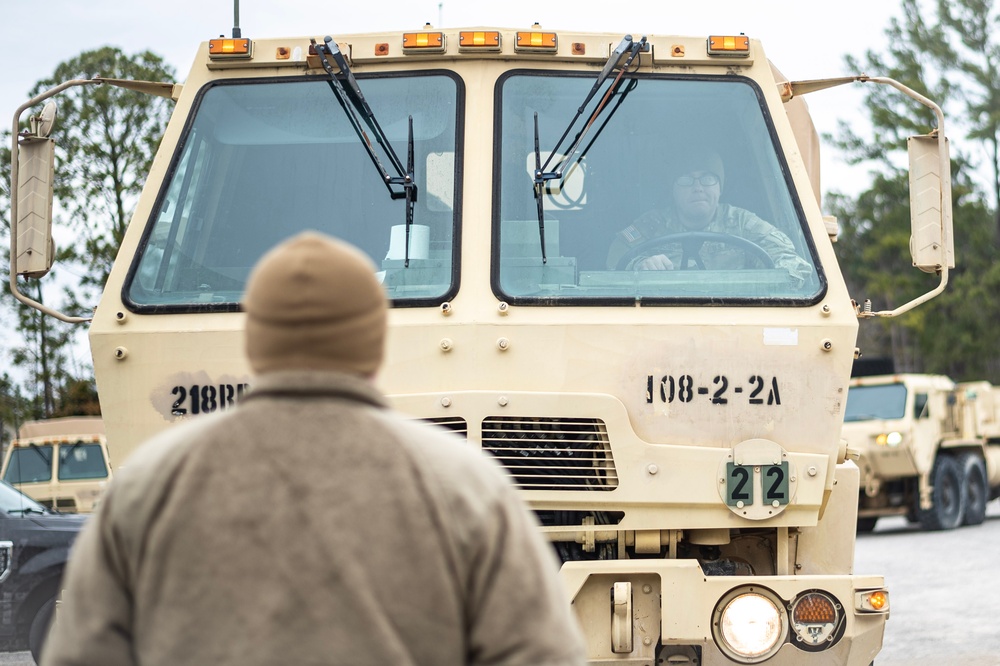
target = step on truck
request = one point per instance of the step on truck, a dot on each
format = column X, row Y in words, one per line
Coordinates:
column 930, row 448
column 677, row 432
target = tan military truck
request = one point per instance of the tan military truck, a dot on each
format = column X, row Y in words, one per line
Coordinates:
column 62, row 463
column 930, row 448
column 676, row 431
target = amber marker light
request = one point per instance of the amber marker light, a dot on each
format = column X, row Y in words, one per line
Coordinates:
column 479, row 40
column 537, row 41
column 729, row 45
column 876, row 601
column 423, row 42
column 229, row 48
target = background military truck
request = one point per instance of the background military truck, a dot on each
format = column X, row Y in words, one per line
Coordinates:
column 61, row 463
column 930, row 448
column 676, row 432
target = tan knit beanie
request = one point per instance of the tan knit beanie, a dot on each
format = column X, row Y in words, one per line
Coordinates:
column 313, row 303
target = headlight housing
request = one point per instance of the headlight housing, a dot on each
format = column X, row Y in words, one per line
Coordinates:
column 750, row 624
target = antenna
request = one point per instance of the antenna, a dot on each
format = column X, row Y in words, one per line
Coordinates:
column 236, row 19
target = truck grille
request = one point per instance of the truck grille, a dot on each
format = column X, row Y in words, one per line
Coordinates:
column 6, row 559
column 456, row 424
column 552, row 453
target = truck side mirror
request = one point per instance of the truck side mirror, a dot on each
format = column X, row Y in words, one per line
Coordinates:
column 35, row 180
column 35, row 173
column 931, row 243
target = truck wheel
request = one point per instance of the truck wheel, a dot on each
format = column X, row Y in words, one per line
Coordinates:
column 948, row 496
column 976, row 492
column 40, row 628
column 866, row 524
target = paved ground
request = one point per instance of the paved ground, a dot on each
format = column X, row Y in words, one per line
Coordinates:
column 944, row 590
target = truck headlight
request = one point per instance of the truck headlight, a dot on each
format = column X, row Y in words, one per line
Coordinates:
column 750, row 624
column 817, row 620
column 892, row 439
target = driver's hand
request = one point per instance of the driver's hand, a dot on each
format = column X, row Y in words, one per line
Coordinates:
column 658, row 262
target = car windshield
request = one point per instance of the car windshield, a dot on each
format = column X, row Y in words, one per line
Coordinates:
column 868, row 403
column 81, row 461
column 680, row 194
column 14, row 501
column 29, row 464
column 263, row 160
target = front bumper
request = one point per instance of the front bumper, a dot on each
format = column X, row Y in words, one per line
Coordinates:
column 673, row 605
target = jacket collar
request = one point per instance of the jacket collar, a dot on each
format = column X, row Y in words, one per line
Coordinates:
column 315, row 384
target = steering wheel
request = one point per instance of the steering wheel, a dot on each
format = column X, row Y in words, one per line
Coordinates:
column 691, row 243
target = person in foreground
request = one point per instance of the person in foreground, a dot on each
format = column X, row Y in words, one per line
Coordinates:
column 696, row 177
column 311, row 524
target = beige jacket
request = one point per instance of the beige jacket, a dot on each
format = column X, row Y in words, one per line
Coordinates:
column 311, row 525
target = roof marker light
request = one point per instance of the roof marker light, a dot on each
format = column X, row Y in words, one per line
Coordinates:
column 479, row 40
column 228, row 48
column 423, row 42
column 542, row 42
column 729, row 45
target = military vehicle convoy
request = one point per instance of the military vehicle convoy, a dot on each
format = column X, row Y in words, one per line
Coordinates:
column 676, row 431
column 61, row 463
column 930, row 448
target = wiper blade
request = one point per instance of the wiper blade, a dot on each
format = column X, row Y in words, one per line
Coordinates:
column 542, row 172
column 28, row 509
column 353, row 101
column 36, row 449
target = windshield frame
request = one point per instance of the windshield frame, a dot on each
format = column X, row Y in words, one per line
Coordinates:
column 545, row 143
column 180, row 151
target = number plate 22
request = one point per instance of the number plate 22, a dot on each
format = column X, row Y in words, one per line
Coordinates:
column 741, row 484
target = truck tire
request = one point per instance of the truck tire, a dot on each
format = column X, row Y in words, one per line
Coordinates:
column 866, row 525
column 947, row 497
column 976, row 490
column 40, row 629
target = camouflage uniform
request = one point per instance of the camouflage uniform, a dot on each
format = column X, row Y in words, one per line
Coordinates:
column 715, row 255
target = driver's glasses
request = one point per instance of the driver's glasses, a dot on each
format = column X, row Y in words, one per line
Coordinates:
column 705, row 180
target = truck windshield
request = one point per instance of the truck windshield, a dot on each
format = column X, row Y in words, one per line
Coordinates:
column 81, row 461
column 29, row 464
column 262, row 160
column 681, row 195
column 868, row 403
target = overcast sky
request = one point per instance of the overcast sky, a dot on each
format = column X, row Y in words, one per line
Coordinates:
column 806, row 40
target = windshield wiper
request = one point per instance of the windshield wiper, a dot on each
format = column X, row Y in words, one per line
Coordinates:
column 353, row 101
column 27, row 509
column 573, row 155
column 38, row 450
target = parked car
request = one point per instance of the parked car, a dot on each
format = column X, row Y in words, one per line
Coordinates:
column 34, row 547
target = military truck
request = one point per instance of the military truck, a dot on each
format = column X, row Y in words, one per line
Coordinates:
column 930, row 448
column 61, row 463
column 676, row 431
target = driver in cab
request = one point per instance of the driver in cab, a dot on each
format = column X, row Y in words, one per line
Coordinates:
column 697, row 184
